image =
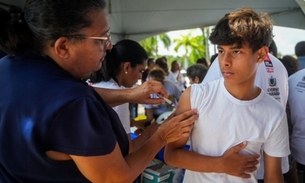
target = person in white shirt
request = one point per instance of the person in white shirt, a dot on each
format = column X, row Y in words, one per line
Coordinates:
column 161, row 63
column 296, row 101
column 233, row 109
column 271, row 77
column 122, row 68
column 176, row 71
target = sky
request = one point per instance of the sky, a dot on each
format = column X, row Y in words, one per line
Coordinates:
column 285, row 39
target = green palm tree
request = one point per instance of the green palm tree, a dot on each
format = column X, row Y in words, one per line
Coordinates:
column 194, row 47
column 151, row 44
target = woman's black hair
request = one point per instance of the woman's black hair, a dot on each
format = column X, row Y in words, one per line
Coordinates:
column 13, row 29
column 123, row 51
column 44, row 21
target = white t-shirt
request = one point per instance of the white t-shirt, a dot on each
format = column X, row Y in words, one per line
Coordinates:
column 123, row 109
column 297, row 110
column 225, row 121
column 272, row 77
column 171, row 77
column 173, row 93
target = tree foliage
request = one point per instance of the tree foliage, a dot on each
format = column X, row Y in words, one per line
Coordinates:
column 193, row 47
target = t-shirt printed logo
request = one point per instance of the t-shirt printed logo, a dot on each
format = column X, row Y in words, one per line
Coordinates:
column 268, row 64
column 273, row 90
column 272, row 81
column 301, row 85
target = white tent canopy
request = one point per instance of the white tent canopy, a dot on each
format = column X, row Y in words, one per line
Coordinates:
column 139, row 19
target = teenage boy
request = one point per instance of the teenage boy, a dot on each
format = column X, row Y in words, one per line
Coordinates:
column 272, row 77
column 233, row 109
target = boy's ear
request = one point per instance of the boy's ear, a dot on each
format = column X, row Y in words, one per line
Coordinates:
column 262, row 54
column 61, row 47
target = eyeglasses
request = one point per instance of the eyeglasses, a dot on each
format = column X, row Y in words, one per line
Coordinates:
column 105, row 40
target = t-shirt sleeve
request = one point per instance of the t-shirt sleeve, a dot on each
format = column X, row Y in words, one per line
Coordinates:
column 83, row 128
column 277, row 145
column 197, row 95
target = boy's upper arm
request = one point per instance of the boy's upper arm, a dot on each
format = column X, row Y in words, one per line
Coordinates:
column 184, row 104
column 273, row 171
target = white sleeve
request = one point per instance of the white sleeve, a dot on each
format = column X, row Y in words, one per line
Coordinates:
column 277, row 144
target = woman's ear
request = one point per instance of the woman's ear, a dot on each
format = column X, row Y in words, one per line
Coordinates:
column 126, row 66
column 262, row 54
column 61, row 47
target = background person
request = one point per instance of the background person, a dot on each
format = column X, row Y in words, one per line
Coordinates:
column 150, row 66
column 196, row 73
column 296, row 102
column 161, row 63
column 202, row 61
column 173, row 94
column 176, row 71
column 290, row 63
column 299, row 51
column 122, row 68
column 273, row 48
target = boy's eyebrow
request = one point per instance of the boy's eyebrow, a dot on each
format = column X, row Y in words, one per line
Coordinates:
column 231, row 47
column 235, row 47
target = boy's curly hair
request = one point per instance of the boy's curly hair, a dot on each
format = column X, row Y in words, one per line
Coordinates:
column 243, row 26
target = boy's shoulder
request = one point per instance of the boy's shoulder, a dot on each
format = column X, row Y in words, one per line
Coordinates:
column 210, row 84
column 206, row 89
column 270, row 102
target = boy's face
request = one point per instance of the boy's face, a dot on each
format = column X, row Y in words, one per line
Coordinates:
column 239, row 65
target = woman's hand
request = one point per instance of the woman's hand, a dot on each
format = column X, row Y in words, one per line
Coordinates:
column 141, row 93
column 175, row 127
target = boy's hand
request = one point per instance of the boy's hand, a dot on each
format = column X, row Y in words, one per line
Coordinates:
column 236, row 164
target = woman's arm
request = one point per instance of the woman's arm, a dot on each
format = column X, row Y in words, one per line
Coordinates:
column 141, row 139
column 114, row 167
column 139, row 94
